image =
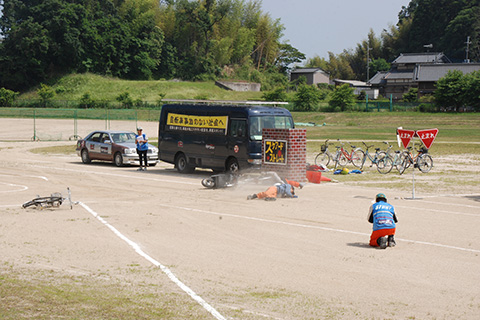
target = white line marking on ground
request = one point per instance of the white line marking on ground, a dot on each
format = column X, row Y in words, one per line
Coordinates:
column 23, row 188
column 166, row 270
column 11, row 175
column 312, row 227
column 453, row 204
column 417, row 209
column 145, row 176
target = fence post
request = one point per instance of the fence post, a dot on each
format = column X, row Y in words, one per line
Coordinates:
column 75, row 128
column 366, row 102
column 391, row 109
column 34, row 125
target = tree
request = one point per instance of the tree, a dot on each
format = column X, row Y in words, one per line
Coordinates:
column 411, row 95
column 306, row 98
column 287, row 55
column 472, row 90
column 450, row 91
column 342, row 98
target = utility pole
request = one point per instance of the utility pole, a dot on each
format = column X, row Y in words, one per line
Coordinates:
column 368, row 62
column 466, row 50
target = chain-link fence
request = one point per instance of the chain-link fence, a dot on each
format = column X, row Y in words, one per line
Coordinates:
column 52, row 124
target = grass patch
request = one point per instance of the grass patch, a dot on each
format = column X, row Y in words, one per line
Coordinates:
column 102, row 88
column 51, row 296
column 67, row 149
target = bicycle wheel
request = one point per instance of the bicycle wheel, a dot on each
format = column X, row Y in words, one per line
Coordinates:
column 322, row 158
column 357, row 157
column 382, row 155
column 407, row 160
column 342, row 160
column 384, row 165
column 424, row 163
column 398, row 163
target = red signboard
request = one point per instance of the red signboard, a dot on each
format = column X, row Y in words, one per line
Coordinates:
column 405, row 136
column 427, row 136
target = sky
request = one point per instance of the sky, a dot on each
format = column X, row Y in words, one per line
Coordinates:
column 316, row 27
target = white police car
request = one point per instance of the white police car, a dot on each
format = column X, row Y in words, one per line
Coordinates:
column 115, row 146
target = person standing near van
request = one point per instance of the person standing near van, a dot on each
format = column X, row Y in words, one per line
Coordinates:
column 142, row 147
column 382, row 216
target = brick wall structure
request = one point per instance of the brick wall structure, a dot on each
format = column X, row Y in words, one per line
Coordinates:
column 295, row 166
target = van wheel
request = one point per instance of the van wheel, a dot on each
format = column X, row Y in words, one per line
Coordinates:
column 232, row 165
column 182, row 164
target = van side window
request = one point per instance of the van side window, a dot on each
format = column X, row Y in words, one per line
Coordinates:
column 238, row 128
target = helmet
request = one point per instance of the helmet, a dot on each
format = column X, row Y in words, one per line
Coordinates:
column 345, row 171
column 381, row 197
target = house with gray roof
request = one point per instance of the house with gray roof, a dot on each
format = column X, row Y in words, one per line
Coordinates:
column 400, row 78
column 427, row 76
column 358, row 87
column 313, row 75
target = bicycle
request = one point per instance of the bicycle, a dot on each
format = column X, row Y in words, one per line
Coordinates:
column 422, row 160
column 380, row 159
column 54, row 200
column 396, row 156
column 324, row 157
column 356, row 156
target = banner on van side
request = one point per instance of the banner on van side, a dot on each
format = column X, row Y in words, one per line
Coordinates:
column 205, row 124
column 275, row 151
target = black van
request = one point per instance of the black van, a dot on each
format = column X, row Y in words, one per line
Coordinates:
column 218, row 137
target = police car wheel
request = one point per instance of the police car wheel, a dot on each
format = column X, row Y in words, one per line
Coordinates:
column 118, row 159
column 85, row 156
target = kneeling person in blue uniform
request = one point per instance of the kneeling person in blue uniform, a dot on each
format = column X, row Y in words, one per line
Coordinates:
column 382, row 216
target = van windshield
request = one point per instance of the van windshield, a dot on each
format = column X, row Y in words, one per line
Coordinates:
column 269, row 122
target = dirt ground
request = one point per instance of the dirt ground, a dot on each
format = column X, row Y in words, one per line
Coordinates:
column 303, row 258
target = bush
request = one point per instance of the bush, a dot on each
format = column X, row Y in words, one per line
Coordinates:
column 277, row 94
column 7, row 97
column 125, row 99
column 46, row 93
column 342, row 98
column 306, row 98
column 411, row 95
column 60, row 90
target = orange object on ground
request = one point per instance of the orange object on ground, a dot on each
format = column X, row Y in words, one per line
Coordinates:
column 269, row 193
column 316, row 177
column 380, row 233
column 325, row 179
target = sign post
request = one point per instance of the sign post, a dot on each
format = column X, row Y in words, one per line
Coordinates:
column 426, row 136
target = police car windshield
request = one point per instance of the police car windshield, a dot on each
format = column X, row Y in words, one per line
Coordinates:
column 123, row 137
column 269, row 122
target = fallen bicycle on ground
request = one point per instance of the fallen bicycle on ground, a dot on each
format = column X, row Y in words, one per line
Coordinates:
column 55, row 200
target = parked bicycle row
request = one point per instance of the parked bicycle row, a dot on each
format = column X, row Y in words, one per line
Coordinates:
column 384, row 160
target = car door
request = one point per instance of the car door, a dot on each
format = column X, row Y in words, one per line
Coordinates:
column 93, row 146
column 105, row 146
column 234, row 144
